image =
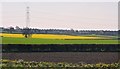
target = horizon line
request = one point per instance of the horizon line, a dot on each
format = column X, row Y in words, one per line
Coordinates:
column 65, row 28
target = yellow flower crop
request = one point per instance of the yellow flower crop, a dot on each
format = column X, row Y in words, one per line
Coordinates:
column 50, row 36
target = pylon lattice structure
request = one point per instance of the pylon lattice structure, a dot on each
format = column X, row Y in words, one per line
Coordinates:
column 27, row 31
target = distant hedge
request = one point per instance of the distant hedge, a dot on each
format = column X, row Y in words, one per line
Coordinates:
column 60, row 48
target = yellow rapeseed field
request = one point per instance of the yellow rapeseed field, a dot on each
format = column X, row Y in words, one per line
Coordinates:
column 52, row 36
column 49, row 36
column 11, row 35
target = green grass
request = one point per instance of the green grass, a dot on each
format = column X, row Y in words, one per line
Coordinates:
column 10, row 40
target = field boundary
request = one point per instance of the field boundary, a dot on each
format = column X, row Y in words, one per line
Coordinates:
column 60, row 48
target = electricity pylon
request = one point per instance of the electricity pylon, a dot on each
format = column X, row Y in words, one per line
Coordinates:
column 27, row 31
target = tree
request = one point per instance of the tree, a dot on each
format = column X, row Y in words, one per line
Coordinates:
column 27, row 32
column 11, row 29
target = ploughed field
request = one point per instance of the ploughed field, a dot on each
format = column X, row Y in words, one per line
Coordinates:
column 57, row 39
column 70, row 57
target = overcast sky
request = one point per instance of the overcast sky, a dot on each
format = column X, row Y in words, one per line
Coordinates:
column 76, row 15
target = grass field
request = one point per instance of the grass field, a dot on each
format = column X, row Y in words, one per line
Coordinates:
column 11, row 40
column 56, row 39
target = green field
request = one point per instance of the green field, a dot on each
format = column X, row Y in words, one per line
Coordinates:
column 12, row 40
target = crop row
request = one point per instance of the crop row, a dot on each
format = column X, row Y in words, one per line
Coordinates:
column 21, row 64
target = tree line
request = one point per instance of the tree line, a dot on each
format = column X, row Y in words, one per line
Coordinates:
column 57, row 31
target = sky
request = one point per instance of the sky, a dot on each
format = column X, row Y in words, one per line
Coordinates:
column 62, row 15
